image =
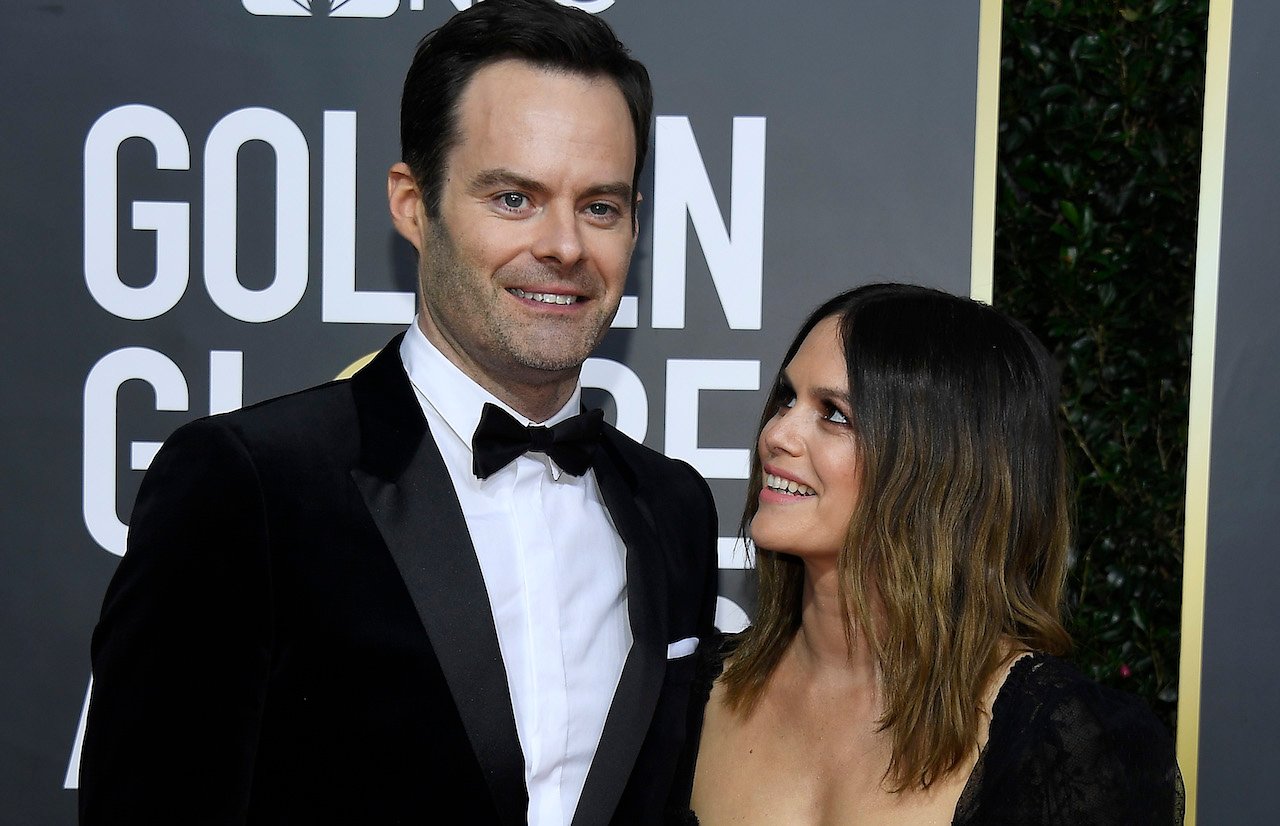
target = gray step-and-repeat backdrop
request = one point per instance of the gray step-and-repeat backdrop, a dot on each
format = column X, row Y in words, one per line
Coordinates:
column 194, row 218
column 1228, row 719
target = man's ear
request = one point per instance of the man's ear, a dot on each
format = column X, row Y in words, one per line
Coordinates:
column 405, row 201
column 635, row 217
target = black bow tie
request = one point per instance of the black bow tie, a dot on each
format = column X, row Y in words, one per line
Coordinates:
column 499, row 439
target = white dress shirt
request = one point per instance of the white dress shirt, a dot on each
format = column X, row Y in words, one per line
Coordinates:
column 555, row 571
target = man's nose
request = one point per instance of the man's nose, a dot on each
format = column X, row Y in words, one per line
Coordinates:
column 559, row 236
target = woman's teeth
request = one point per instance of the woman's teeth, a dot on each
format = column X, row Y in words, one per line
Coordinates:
column 787, row 486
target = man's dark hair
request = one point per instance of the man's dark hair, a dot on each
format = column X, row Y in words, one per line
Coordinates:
column 541, row 32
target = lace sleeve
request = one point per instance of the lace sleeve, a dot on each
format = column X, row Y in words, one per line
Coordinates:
column 1069, row 751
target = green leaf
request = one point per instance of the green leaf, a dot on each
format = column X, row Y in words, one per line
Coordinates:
column 1069, row 212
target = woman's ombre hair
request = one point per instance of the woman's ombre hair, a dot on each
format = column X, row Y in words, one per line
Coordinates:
column 961, row 535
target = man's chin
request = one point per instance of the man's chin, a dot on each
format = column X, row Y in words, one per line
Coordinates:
column 553, row 351
column 543, row 362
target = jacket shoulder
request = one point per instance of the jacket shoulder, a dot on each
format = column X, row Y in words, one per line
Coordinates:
column 309, row 434
column 649, row 464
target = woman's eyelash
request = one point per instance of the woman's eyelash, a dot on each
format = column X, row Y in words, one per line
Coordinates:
column 785, row 396
column 835, row 415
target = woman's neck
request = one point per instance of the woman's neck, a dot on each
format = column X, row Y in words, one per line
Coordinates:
column 825, row 645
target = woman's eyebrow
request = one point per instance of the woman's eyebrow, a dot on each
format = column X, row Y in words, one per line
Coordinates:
column 820, row 391
column 837, row 393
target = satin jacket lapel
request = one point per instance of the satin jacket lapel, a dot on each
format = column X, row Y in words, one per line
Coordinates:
column 407, row 489
column 642, row 674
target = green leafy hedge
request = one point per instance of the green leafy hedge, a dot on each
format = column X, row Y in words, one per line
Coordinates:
column 1100, row 123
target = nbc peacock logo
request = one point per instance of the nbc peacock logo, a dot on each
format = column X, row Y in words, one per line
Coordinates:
column 322, row 8
column 376, row 8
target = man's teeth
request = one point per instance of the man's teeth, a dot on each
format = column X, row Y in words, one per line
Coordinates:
column 787, row 486
column 545, row 298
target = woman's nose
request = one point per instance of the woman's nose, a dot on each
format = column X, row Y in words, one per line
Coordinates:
column 780, row 434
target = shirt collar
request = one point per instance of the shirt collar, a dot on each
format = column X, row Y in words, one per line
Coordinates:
column 455, row 395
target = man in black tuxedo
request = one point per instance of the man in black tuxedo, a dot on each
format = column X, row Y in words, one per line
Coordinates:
column 389, row 600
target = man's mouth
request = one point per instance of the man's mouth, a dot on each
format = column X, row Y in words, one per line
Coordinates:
column 777, row 483
column 544, row 298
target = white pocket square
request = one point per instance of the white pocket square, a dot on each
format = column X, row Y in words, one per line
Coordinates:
column 682, row 648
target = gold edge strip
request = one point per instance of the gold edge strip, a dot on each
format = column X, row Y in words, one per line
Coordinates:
column 986, row 133
column 1199, row 429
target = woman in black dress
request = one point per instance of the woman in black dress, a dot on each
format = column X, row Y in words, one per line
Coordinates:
column 909, row 509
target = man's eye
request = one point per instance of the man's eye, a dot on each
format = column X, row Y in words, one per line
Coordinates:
column 602, row 210
column 513, row 200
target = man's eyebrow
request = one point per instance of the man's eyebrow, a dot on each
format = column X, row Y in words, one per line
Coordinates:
column 499, row 178
column 490, row 178
column 618, row 189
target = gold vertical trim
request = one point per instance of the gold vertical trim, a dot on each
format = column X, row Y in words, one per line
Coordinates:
column 1199, row 430
column 986, row 133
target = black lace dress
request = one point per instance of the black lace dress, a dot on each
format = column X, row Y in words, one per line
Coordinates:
column 1064, row 750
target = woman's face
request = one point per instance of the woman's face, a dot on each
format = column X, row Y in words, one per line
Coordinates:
column 809, row 454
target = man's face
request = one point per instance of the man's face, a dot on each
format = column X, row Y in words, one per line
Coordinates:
column 523, row 270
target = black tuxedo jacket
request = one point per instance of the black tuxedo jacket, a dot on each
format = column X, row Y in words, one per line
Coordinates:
column 299, row 631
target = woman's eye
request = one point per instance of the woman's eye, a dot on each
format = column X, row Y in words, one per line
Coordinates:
column 834, row 415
